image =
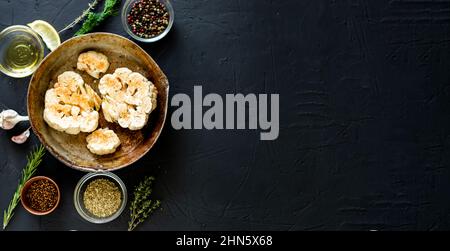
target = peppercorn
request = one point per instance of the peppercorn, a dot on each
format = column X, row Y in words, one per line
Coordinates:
column 148, row 18
column 42, row 195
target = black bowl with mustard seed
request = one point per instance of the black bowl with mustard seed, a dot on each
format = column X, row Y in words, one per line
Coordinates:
column 40, row 195
column 147, row 20
column 100, row 197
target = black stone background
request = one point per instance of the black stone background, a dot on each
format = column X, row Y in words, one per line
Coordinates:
column 365, row 126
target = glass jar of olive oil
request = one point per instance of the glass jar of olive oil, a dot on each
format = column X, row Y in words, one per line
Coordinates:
column 21, row 51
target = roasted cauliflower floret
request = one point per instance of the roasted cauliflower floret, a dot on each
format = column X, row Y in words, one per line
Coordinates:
column 102, row 142
column 128, row 98
column 71, row 105
column 94, row 63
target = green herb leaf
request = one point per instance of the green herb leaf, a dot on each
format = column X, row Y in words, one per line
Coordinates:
column 94, row 19
column 142, row 206
column 33, row 161
column 82, row 16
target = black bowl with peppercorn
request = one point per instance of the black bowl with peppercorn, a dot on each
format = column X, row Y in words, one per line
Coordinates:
column 147, row 20
column 40, row 195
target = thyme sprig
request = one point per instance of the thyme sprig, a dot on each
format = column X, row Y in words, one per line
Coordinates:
column 33, row 161
column 77, row 20
column 93, row 19
column 142, row 206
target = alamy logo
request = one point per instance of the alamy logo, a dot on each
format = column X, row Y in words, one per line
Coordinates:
column 238, row 109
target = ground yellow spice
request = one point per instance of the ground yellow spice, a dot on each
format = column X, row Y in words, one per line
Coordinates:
column 102, row 198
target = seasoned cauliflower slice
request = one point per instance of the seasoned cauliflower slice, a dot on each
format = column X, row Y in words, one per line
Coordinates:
column 128, row 98
column 71, row 80
column 93, row 63
column 102, row 142
column 71, row 105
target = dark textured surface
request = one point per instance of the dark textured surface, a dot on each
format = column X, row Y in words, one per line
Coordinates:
column 364, row 140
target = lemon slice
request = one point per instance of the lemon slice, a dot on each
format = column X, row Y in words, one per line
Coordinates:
column 47, row 33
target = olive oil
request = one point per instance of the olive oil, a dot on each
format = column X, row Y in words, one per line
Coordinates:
column 21, row 55
column 21, row 51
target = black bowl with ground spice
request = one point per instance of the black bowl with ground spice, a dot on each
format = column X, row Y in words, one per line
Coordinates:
column 148, row 18
column 40, row 195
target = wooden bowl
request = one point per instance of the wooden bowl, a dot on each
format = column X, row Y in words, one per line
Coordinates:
column 71, row 149
column 24, row 200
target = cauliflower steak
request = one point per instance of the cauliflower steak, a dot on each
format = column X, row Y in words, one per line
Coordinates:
column 92, row 62
column 102, row 142
column 128, row 98
column 71, row 105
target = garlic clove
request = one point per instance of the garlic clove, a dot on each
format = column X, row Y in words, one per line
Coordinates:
column 21, row 138
column 10, row 118
column 7, row 125
column 8, row 114
column 22, row 118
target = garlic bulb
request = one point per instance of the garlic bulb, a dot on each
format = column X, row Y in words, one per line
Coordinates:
column 21, row 138
column 10, row 118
